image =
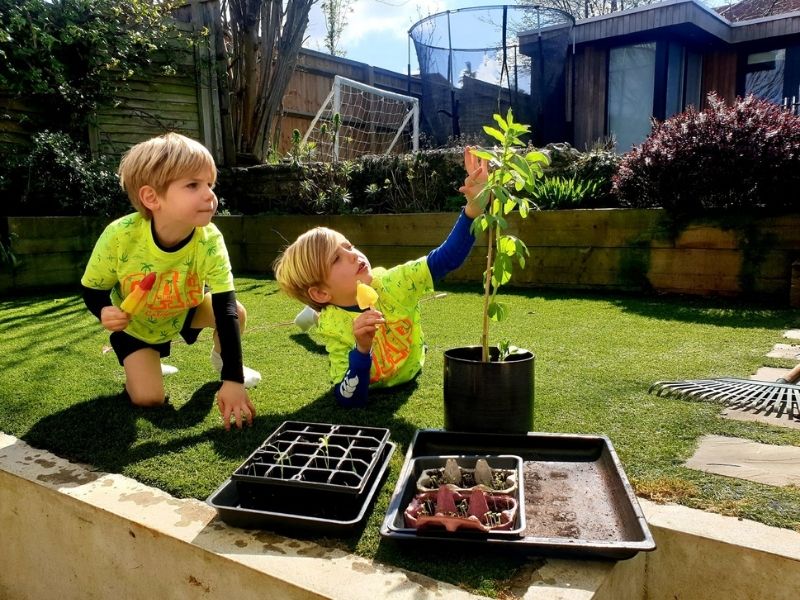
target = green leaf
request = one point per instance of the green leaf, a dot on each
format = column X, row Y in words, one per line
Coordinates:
column 494, row 133
column 484, row 154
column 507, row 245
column 500, row 121
column 501, row 270
column 498, row 311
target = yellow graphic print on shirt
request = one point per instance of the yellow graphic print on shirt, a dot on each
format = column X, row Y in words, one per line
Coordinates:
column 398, row 348
column 126, row 252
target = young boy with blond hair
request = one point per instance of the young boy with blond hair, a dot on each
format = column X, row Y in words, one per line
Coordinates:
column 169, row 181
column 383, row 345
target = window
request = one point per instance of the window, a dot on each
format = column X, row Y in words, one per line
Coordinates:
column 631, row 73
column 764, row 75
column 657, row 79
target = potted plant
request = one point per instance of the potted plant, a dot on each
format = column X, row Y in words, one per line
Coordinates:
column 490, row 388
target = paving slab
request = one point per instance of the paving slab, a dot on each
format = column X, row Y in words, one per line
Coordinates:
column 785, row 351
column 763, row 374
column 745, row 459
column 792, row 334
column 760, row 417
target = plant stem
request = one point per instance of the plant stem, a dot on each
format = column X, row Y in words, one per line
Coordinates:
column 487, row 289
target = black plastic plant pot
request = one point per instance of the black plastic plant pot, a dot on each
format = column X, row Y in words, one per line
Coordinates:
column 488, row 397
column 328, row 460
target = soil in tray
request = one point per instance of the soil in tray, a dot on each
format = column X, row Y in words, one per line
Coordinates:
column 561, row 501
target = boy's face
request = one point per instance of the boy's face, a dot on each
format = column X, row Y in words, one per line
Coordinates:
column 188, row 201
column 348, row 266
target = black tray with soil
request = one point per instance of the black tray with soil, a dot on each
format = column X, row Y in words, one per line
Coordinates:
column 335, row 459
column 310, row 513
column 576, row 497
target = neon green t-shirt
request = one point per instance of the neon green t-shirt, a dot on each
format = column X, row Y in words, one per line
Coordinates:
column 126, row 252
column 398, row 350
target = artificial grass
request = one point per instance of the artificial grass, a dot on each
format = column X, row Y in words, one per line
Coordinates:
column 596, row 357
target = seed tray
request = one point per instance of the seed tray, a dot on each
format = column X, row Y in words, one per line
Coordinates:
column 578, row 502
column 506, row 471
column 333, row 458
column 312, row 513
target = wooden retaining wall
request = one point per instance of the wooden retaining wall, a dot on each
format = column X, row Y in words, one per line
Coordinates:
column 609, row 249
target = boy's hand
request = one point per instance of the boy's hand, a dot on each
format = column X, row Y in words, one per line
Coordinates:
column 233, row 400
column 114, row 319
column 364, row 328
column 477, row 175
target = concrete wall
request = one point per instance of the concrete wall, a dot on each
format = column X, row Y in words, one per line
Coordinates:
column 80, row 534
column 606, row 249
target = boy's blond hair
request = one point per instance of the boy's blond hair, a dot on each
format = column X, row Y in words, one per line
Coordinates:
column 306, row 263
column 160, row 161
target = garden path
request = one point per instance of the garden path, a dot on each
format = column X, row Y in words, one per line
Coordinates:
column 745, row 459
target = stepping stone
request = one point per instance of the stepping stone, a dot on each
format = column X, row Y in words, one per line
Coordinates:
column 785, row 351
column 792, row 334
column 763, row 374
column 744, row 459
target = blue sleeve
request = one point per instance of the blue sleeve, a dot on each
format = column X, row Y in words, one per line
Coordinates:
column 353, row 389
column 455, row 249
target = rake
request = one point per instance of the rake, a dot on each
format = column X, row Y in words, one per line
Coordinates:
column 780, row 397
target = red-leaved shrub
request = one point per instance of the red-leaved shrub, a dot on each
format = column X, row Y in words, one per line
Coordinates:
column 724, row 157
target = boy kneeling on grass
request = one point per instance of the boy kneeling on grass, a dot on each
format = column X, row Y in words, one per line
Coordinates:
column 169, row 181
column 379, row 346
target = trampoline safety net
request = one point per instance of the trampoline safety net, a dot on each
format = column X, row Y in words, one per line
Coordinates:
column 477, row 61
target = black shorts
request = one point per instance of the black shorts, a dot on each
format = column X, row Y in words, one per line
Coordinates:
column 124, row 344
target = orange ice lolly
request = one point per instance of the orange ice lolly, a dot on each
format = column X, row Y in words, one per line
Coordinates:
column 365, row 296
column 134, row 302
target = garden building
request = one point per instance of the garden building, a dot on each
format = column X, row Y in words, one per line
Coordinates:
column 665, row 57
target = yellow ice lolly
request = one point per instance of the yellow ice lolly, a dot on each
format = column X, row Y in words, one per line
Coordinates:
column 134, row 302
column 365, row 296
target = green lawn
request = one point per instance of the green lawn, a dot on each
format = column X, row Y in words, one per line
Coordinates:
column 596, row 358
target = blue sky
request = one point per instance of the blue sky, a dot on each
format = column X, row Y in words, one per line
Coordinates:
column 377, row 31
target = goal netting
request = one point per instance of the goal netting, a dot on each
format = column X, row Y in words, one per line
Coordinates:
column 358, row 119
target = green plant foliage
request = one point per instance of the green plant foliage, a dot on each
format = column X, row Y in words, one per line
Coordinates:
column 74, row 184
column 560, row 192
column 326, row 188
column 419, row 182
column 510, row 173
column 742, row 156
column 59, row 52
column 598, row 164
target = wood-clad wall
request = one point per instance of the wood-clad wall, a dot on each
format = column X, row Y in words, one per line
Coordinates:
column 610, row 249
column 719, row 75
column 590, row 95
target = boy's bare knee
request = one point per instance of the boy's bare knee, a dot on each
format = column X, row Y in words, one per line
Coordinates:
column 146, row 400
column 242, row 313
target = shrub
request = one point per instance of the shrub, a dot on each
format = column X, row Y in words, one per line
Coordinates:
column 425, row 181
column 73, row 184
column 560, row 192
column 725, row 157
column 60, row 53
column 594, row 168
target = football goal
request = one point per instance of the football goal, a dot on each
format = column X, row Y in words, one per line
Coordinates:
column 358, row 119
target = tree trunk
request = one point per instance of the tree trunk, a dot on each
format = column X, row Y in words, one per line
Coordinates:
column 266, row 40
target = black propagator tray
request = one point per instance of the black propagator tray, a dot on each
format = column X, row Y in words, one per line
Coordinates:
column 301, row 514
column 337, row 459
column 577, row 499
